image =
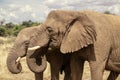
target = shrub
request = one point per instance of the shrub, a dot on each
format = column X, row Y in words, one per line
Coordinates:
column 10, row 28
column 2, row 31
column 17, row 29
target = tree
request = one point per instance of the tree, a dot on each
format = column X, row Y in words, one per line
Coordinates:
column 9, row 25
column 17, row 29
column 2, row 31
column 8, row 29
column 107, row 12
column 27, row 23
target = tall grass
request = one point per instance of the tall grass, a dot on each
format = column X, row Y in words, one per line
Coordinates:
column 26, row 74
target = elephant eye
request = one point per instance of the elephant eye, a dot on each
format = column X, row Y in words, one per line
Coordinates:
column 27, row 42
column 49, row 29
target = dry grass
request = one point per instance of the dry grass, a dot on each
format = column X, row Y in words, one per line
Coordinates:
column 26, row 74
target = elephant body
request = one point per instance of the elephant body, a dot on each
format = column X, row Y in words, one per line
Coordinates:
column 106, row 48
column 87, row 35
column 103, row 53
column 107, row 45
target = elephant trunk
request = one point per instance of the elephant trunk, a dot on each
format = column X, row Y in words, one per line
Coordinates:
column 37, row 65
column 13, row 66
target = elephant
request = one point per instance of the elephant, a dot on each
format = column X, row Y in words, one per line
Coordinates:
column 32, row 36
column 87, row 36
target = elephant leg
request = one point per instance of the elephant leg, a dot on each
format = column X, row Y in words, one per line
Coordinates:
column 67, row 73
column 39, row 76
column 97, row 70
column 54, row 72
column 55, row 65
column 98, row 57
column 77, row 67
column 113, row 75
column 55, row 58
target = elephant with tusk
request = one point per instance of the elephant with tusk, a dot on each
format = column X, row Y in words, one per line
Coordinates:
column 25, row 45
column 86, row 36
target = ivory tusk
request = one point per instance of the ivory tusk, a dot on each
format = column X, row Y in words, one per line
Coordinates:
column 116, row 63
column 18, row 59
column 34, row 48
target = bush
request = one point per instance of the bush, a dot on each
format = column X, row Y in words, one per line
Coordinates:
column 16, row 30
column 10, row 28
column 107, row 12
column 8, row 32
column 2, row 31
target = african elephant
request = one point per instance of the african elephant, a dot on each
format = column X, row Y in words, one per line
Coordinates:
column 32, row 36
column 87, row 36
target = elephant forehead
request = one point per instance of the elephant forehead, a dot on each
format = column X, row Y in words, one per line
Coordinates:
column 22, row 38
column 62, row 15
column 55, row 24
column 24, row 35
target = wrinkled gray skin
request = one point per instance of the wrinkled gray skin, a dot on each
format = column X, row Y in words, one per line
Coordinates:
column 87, row 36
column 26, row 38
column 29, row 37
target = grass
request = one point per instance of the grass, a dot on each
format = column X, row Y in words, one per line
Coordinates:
column 26, row 74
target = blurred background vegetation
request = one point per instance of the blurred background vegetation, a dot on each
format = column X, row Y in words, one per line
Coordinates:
column 11, row 29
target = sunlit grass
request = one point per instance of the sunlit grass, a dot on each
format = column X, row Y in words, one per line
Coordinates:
column 26, row 74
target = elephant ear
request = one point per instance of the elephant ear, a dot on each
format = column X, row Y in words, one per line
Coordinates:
column 80, row 33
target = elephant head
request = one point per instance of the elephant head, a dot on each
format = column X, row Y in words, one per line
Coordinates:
column 69, row 31
column 27, row 38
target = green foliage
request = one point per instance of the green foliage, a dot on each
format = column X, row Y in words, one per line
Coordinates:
column 107, row 12
column 9, row 25
column 2, row 31
column 17, row 29
column 9, row 29
column 27, row 23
